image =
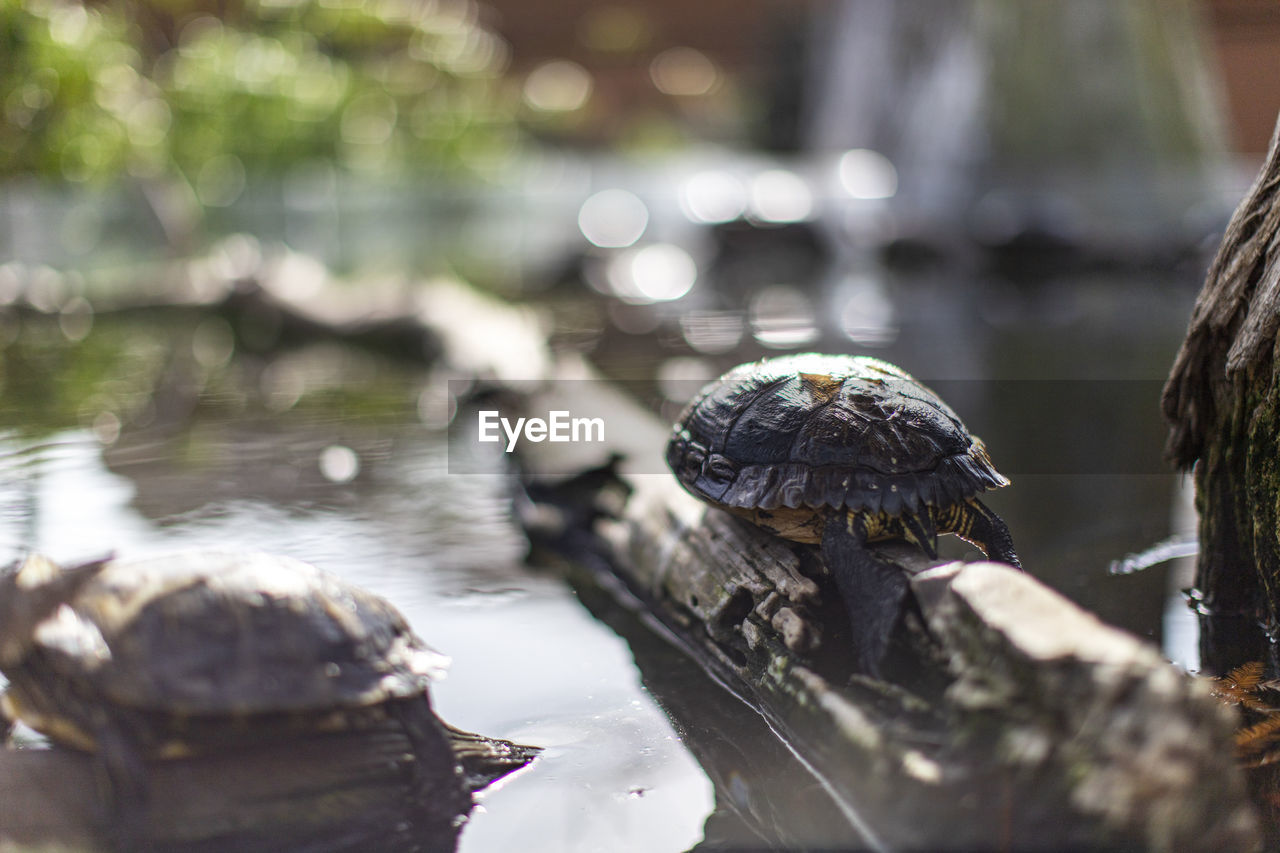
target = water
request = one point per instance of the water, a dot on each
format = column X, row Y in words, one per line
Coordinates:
column 529, row 663
column 145, row 435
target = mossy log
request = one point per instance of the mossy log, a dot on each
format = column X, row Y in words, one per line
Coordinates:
column 1013, row 719
column 1222, row 400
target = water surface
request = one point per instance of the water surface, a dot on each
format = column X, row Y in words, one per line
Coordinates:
column 369, row 500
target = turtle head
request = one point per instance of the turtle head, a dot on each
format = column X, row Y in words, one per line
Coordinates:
column 31, row 590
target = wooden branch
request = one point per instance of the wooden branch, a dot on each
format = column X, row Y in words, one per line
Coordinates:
column 1044, row 712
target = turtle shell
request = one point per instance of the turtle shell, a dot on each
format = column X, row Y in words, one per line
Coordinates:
column 213, row 635
column 837, row 431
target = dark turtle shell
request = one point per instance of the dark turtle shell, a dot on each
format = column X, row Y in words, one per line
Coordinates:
column 173, row 643
column 814, row 430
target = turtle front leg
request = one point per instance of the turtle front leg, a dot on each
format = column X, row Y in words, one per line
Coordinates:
column 973, row 522
column 873, row 591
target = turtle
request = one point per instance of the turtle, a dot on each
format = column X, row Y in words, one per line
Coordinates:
column 841, row 451
column 189, row 653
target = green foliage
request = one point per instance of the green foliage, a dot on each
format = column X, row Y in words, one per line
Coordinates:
column 157, row 87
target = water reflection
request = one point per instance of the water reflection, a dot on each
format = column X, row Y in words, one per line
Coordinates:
column 712, row 332
column 865, row 312
column 765, row 797
column 529, row 663
column 782, row 317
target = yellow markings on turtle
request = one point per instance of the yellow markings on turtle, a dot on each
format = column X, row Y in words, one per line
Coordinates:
column 117, row 596
column 880, row 526
column 876, row 526
column 171, row 749
column 823, row 386
column 37, row 570
column 960, row 519
column 801, row 524
column 57, row 728
column 806, row 524
column 955, row 519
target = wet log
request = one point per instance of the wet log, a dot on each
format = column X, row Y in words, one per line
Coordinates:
column 1028, row 711
column 1008, row 712
column 1222, row 401
column 329, row 792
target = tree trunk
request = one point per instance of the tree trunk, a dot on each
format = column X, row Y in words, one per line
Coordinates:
column 1223, row 402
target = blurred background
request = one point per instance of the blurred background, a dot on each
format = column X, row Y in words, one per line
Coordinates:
column 304, row 113
column 1014, row 201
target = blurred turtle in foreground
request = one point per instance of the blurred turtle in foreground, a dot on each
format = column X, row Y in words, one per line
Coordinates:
column 201, row 652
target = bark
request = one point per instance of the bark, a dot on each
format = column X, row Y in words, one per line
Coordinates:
column 1222, row 401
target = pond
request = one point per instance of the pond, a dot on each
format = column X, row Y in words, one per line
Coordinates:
column 145, row 435
column 367, row 497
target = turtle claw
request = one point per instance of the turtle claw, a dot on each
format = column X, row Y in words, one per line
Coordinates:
column 989, row 532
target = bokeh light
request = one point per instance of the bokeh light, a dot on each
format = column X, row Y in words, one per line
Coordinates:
column 339, row 464
column 558, row 86
column 779, row 196
column 659, row 272
column 282, row 385
column 712, row 332
column 75, row 319
column 213, row 342
column 220, row 181
column 712, row 197
column 867, row 174
column 867, row 315
column 683, row 71
column 106, row 428
column 680, row 377
column 782, row 317
column 613, row 219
